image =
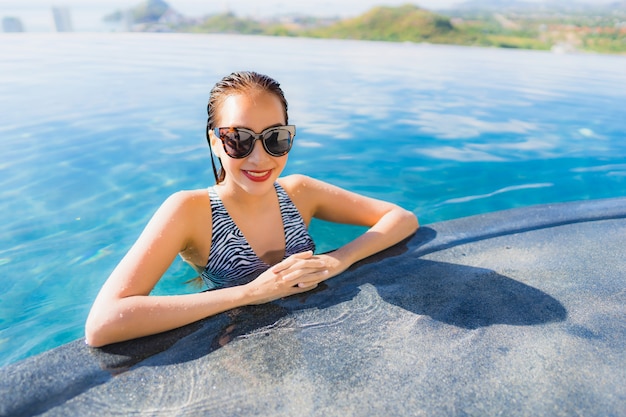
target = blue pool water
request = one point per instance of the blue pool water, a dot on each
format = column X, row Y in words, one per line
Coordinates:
column 96, row 130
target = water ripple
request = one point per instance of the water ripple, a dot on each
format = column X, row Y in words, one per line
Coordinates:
column 500, row 191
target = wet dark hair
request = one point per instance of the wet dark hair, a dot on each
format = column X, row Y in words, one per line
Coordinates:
column 240, row 82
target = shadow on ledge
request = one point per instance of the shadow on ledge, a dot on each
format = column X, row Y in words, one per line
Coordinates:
column 454, row 294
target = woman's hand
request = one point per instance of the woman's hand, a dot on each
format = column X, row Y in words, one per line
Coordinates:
column 296, row 274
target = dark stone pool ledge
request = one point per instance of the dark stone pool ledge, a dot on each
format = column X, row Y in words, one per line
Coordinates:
column 520, row 312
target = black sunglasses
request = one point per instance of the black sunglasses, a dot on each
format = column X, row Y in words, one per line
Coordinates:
column 238, row 141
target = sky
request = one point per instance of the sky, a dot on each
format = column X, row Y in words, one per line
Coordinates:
column 36, row 15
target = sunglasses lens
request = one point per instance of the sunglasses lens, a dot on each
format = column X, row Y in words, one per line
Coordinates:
column 237, row 144
column 278, row 142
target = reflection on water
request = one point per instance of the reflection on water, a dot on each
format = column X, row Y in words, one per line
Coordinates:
column 97, row 129
column 500, row 191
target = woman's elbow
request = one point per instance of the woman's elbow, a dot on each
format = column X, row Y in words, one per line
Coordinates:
column 97, row 330
column 409, row 221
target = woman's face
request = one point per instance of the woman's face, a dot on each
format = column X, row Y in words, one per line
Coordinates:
column 256, row 111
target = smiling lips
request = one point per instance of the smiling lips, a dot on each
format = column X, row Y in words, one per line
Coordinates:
column 258, row 176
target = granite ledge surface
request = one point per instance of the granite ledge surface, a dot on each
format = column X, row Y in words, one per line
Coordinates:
column 520, row 312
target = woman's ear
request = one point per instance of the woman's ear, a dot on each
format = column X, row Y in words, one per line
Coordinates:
column 214, row 143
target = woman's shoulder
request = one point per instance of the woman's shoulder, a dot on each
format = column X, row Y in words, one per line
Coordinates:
column 189, row 211
column 188, row 200
column 296, row 182
column 190, row 195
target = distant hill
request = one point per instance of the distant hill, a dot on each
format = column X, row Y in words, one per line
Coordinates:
column 548, row 25
column 149, row 11
column 229, row 23
column 397, row 24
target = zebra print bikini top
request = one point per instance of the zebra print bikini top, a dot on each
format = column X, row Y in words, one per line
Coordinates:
column 232, row 261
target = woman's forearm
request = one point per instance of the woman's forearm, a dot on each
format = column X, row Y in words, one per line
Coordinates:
column 141, row 315
column 393, row 227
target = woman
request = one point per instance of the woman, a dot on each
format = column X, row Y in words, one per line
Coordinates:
column 251, row 226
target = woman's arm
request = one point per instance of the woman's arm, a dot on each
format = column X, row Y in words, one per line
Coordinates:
column 122, row 310
column 388, row 223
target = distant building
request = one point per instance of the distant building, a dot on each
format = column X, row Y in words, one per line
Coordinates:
column 62, row 19
column 12, row 24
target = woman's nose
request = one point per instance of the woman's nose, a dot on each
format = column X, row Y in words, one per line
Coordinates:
column 258, row 153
